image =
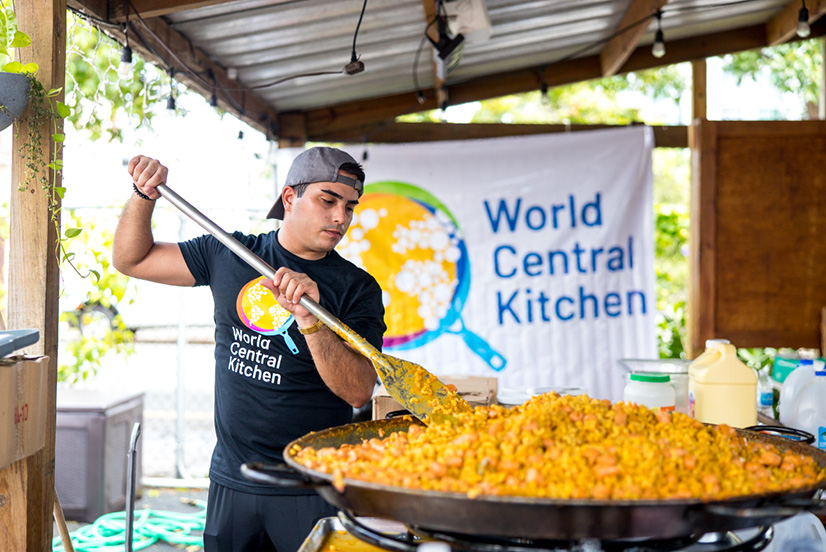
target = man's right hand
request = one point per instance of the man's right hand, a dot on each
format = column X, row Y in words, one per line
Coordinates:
column 147, row 174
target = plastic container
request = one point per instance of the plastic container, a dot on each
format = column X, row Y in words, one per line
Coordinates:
column 721, row 388
column 794, row 382
column 676, row 368
column 800, row 533
column 514, row 396
column 809, row 410
column 651, row 390
column 765, row 393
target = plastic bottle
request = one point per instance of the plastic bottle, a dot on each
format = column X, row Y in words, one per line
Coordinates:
column 800, row 533
column 765, row 393
column 721, row 388
column 809, row 410
column 794, row 382
column 651, row 390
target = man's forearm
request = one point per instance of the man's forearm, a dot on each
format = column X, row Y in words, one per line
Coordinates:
column 133, row 235
column 346, row 372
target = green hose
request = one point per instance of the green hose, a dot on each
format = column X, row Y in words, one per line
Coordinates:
column 108, row 532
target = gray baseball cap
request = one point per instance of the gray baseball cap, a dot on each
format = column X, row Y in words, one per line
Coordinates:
column 318, row 164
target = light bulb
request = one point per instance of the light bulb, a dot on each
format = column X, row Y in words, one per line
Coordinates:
column 803, row 28
column 125, row 66
column 658, row 49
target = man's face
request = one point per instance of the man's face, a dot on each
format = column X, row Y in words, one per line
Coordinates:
column 322, row 215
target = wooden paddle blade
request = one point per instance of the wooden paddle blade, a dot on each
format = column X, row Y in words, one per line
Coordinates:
column 417, row 390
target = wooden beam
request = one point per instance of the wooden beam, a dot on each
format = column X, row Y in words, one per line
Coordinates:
column 358, row 113
column 821, row 104
column 698, row 89
column 156, row 8
column 636, row 19
column 783, row 26
column 701, row 285
column 664, row 136
column 292, row 130
column 193, row 67
column 95, row 8
column 33, row 278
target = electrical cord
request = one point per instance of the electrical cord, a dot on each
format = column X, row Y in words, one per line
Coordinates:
column 353, row 56
column 108, row 532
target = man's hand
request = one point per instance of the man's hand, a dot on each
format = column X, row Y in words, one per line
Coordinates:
column 288, row 287
column 147, row 174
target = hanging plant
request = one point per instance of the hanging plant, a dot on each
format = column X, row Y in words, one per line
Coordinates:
column 44, row 110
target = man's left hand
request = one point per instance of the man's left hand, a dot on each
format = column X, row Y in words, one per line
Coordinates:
column 289, row 286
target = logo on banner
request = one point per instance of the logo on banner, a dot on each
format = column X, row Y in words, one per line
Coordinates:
column 412, row 244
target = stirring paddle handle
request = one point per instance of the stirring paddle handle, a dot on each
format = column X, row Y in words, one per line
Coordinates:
column 256, row 262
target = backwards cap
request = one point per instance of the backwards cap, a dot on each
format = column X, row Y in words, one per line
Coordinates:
column 318, row 164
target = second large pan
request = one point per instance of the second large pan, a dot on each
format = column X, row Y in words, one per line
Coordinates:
column 537, row 518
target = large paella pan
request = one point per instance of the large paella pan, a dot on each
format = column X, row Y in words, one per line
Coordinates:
column 540, row 518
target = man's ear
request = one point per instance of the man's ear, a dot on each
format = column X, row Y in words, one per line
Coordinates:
column 287, row 197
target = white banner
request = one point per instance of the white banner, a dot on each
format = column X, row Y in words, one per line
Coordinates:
column 527, row 258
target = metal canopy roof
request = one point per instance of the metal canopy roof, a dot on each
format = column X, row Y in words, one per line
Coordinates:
column 240, row 48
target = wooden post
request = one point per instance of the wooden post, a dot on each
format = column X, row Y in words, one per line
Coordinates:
column 27, row 486
column 821, row 107
column 698, row 89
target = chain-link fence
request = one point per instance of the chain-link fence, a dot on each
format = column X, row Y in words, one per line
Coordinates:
column 178, row 433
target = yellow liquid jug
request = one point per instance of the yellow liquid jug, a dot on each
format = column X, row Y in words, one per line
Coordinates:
column 721, row 388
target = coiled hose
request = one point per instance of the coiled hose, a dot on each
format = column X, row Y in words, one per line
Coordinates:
column 108, row 532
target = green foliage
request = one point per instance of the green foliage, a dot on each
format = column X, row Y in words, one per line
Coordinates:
column 10, row 39
column 100, row 99
column 94, row 339
column 590, row 102
column 795, row 67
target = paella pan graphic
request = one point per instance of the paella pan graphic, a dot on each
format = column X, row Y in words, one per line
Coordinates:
column 411, row 243
column 259, row 311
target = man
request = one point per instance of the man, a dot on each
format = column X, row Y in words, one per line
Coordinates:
column 279, row 372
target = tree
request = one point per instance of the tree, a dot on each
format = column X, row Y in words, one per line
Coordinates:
column 796, row 67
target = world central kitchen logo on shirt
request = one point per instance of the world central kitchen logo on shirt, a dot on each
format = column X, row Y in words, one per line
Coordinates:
column 259, row 311
column 250, row 353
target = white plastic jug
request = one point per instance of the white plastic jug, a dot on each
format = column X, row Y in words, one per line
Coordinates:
column 800, row 533
column 800, row 376
column 721, row 388
column 809, row 410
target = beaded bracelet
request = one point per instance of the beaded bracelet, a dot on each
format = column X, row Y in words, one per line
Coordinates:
column 141, row 195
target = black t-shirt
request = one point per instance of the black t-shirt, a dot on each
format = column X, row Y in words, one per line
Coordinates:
column 267, row 389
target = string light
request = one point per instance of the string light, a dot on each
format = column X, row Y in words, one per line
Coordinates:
column 543, row 93
column 213, row 99
column 658, row 49
column 125, row 67
column 803, row 28
column 170, row 101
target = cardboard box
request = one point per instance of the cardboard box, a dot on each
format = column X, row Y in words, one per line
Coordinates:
column 22, row 407
column 476, row 390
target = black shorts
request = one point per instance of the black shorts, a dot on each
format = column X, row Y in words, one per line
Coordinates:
column 238, row 521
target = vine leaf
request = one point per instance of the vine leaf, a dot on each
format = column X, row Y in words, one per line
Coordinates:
column 63, row 110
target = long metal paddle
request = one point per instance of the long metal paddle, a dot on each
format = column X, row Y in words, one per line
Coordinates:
column 416, row 389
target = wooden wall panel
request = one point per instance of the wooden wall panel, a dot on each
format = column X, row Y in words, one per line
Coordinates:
column 759, row 233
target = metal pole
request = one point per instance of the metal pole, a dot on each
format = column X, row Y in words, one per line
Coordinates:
column 132, row 471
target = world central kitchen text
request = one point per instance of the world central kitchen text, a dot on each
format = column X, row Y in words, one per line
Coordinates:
column 590, row 264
